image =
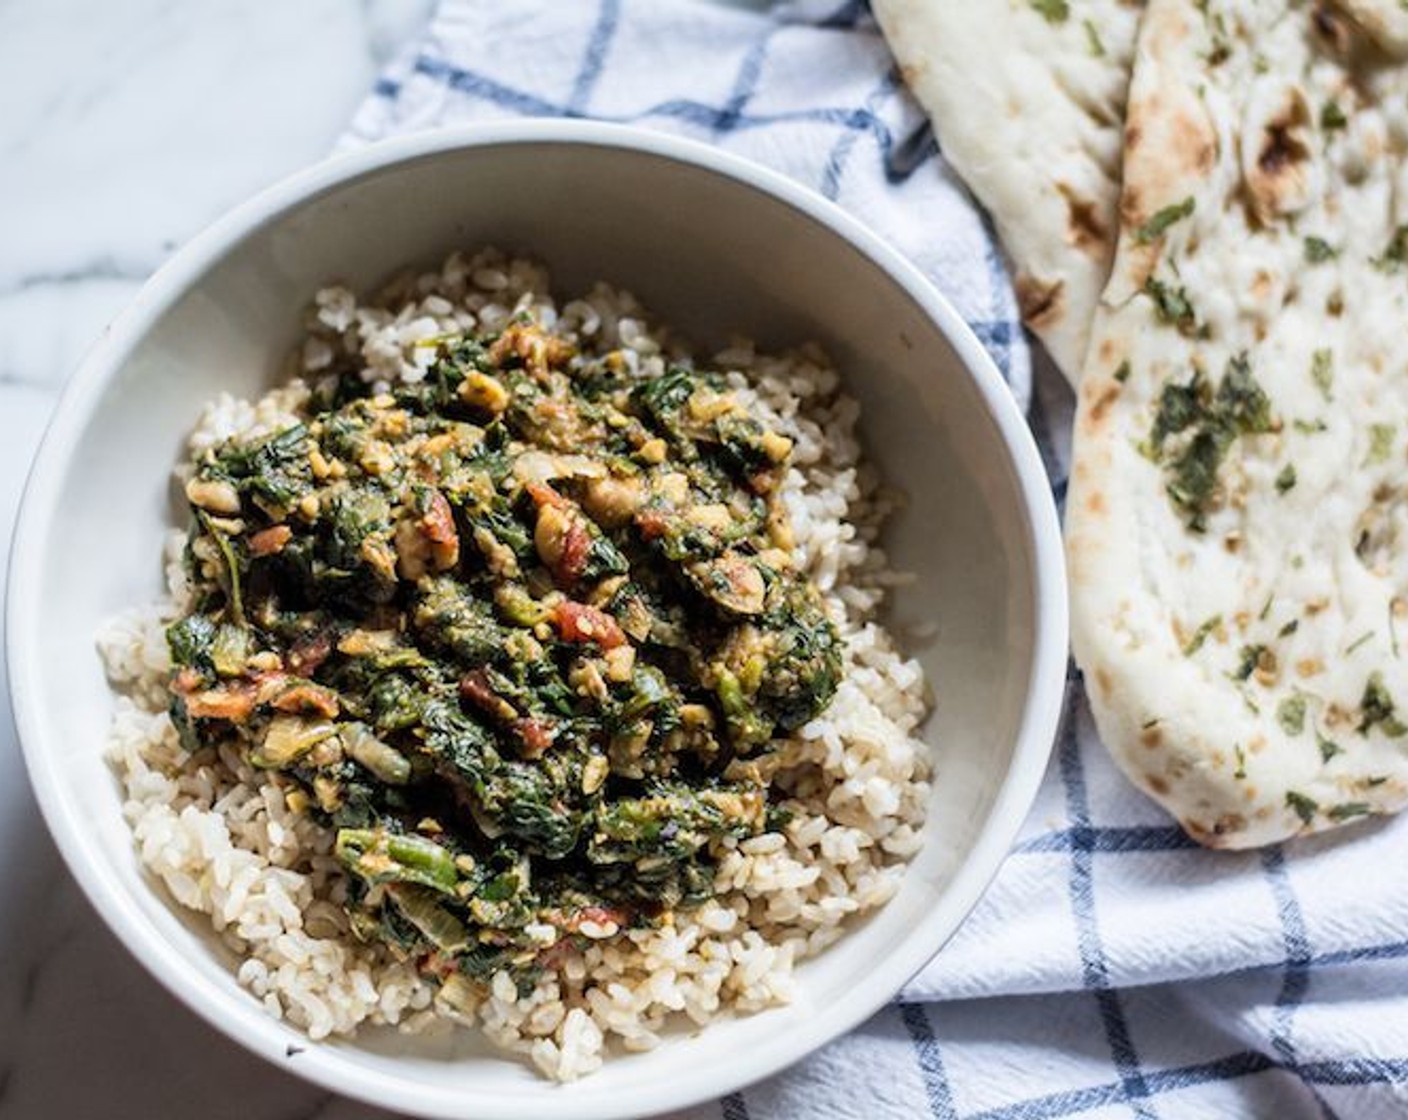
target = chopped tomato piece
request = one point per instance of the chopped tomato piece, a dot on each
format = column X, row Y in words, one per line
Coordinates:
column 474, row 686
column 233, row 702
column 269, row 541
column 652, row 524
column 438, row 523
column 309, row 699
column 577, row 622
column 186, row 681
column 536, row 735
column 544, row 495
column 308, row 653
column 576, row 544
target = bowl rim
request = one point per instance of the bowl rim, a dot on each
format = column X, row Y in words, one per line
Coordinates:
column 243, row 1021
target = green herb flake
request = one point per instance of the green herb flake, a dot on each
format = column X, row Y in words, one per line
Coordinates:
column 1053, row 11
column 1310, row 427
column 1092, row 38
column 1318, row 250
column 1172, row 305
column 1241, row 772
column 1395, row 253
column 1248, row 660
column 1328, row 747
column 1377, row 709
column 1194, row 482
column 1380, row 443
column 1289, row 629
column 1122, row 373
column 1332, row 116
column 1305, row 807
column 1180, row 407
column 1349, row 810
column 1359, row 641
column 1238, row 407
column 1240, row 401
column 1322, row 372
column 1200, row 635
column 1158, row 225
column 1266, row 607
column 1290, row 714
column 1286, row 480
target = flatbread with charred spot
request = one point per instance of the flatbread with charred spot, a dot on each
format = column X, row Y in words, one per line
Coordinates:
column 1028, row 99
column 1384, row 21
column 1237, row 522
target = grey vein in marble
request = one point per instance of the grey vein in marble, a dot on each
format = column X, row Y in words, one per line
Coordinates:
column 102, row 268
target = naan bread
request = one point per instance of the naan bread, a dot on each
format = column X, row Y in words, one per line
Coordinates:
column 1237, row 523
column 1386, row 22
column 1027, row 98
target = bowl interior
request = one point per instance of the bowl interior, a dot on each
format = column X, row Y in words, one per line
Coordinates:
column 713, row 257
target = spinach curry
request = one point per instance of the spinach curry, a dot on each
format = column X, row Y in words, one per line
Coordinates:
column 523, row 635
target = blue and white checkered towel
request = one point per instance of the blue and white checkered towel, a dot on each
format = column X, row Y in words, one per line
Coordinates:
column 1114, row 969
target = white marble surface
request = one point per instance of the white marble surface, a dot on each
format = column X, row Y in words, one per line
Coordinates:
column 126, row 127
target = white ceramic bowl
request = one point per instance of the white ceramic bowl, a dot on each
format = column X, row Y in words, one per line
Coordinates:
column 712, row 244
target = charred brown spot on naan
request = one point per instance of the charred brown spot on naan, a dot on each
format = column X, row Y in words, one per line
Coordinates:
column 1171, row 148
column 1268, row 669
column 1278, row 163
column 1095, row 415
column 1103, row 682
column 1109, row 354
column 1039, row 300
column 1181, row 148
column 1383, row 21
column 1085, row 228
column 1331, row 28
column 912, row 72
column 1222, row 830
